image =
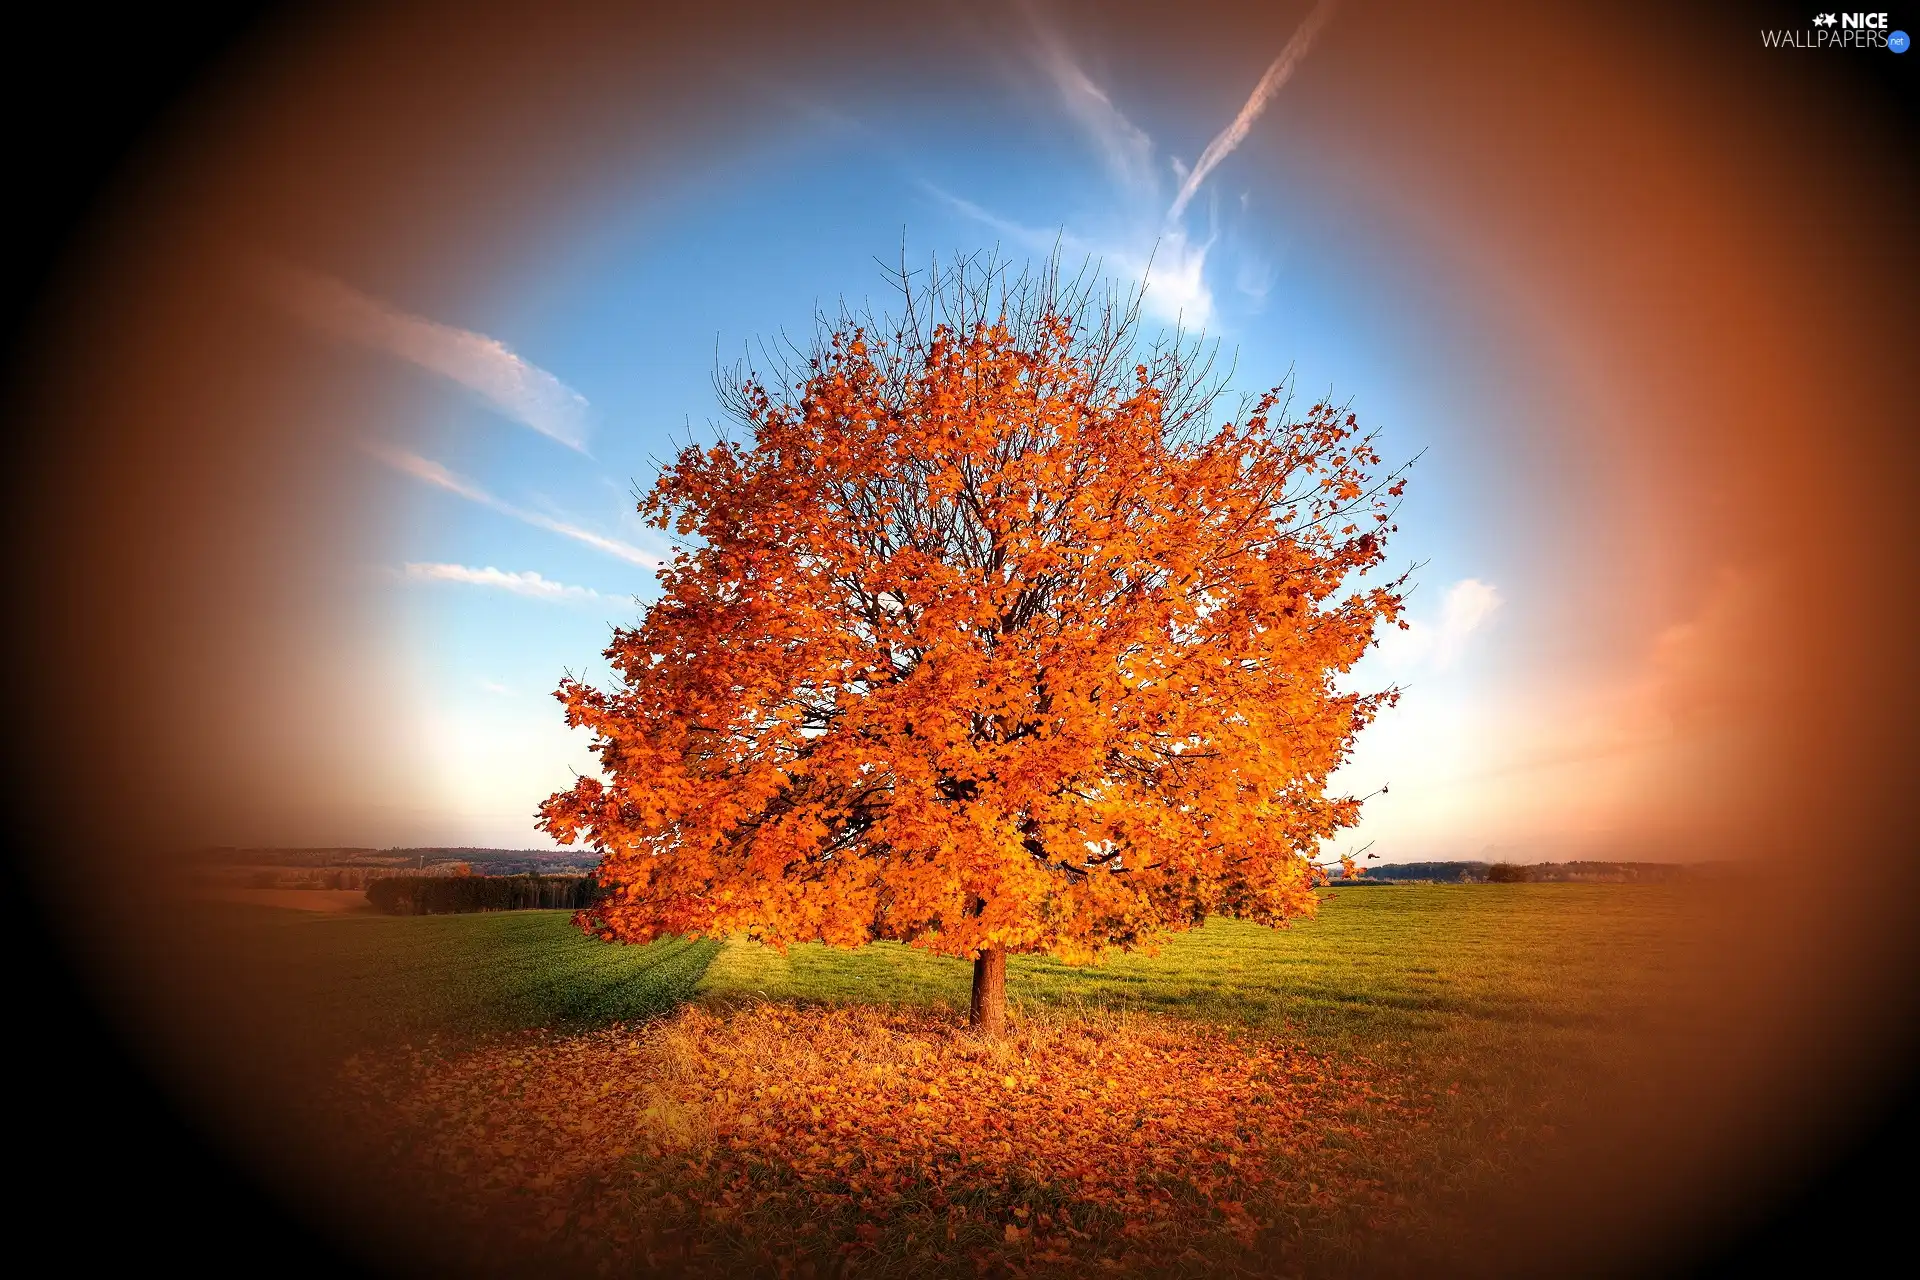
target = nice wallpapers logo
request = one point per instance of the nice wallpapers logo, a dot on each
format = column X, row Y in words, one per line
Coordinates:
column 1840, row 31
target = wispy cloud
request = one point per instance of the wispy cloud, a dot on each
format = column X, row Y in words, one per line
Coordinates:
column 1176, row 279
column 520, row 584
column 1470, row 602
column 1467, row 606
column 1034, row 239
column 1171, row 267
column 430, row 472
column 1277, row 74
column 523, row 392
column 1254, row 278
column 1124, row 147
column 1150, row 243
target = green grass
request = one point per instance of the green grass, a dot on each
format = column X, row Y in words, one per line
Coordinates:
column 1495, row 986
column 1378, row 968
column 365, row 978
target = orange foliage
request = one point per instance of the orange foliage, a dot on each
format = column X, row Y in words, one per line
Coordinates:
column 776, row 1133
column 989, row 635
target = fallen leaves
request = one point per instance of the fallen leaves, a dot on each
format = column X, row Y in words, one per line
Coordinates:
column 782, row 1137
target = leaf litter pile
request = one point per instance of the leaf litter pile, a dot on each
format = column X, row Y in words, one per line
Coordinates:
column 813, row 1140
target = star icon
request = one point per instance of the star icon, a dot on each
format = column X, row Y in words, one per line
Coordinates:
column 1825, row 20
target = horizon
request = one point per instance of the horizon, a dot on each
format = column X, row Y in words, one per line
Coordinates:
column 1487, row 856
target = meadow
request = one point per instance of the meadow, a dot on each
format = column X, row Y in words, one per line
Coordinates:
column 720, row 1107
column 361, row 979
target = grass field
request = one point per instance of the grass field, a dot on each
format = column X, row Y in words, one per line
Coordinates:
column 1476, row 1018
column 365, row 979
column 1380, row 967
column 1423, row 971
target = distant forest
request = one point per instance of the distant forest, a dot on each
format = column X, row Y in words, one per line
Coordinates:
column 449, row 895
column 354, row 868
column 271, row 856
column 1543, row 872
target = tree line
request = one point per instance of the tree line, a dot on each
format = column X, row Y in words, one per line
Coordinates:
column 1540, row 872
column 451, row 895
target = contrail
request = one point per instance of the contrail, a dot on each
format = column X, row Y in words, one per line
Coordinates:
column 1126, row 149
column 523, row 392
column 1231, row 136
column 431, row 472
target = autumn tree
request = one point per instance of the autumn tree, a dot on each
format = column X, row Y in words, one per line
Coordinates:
column 989, row 632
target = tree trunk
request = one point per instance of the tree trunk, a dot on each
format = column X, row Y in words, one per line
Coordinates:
column 989, row 1013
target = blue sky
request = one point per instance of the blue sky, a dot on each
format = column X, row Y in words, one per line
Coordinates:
column 553, row 401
